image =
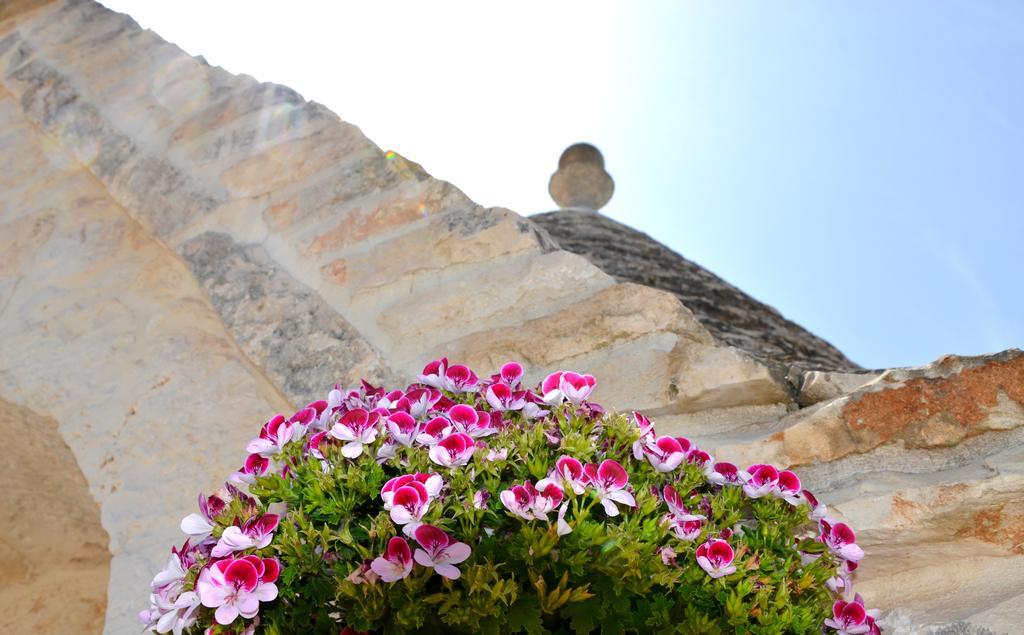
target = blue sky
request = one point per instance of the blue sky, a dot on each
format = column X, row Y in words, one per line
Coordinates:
column 859, row 166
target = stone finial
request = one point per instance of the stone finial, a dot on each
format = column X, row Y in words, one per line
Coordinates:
column 580, row 182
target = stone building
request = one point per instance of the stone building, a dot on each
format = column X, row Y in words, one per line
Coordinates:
column 186, row 251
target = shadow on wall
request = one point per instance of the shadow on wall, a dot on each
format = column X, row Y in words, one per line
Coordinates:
column 54, row 559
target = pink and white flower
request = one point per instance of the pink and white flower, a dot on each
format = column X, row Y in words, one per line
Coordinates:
column 433, row 373
column 459, row 378
column 431, row 482
column 610, row 481
column 665, row 454
column 557, row 387
column 496, row 455
column 532, row 503
column 435, row 430
column 840, row 540
column 274, row 435
column 716, row 556
column 171, row 614
column 358, row 428
column 255, row 533
column 761, row 480
column 680, row 522
column 455, row 450
column 403, row 428
column 502, row 398
column 727, row 474
column 475, row 423
column 563, row 528
column 439, row 551
column 569, row 473
column 788, row 488
column 199, row 526
column 510, row 375
column 818, row 510
column 422, row 400
column 534, row 406
column 480, row 499
column 255, row 466
column 849, row 618
column 646, row 434
column 396, row 563
column 237, row 586
column 408, row 505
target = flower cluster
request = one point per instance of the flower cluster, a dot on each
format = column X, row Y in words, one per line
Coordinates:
column 476, row 504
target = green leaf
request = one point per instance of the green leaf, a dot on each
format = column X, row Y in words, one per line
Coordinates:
column 524, row 616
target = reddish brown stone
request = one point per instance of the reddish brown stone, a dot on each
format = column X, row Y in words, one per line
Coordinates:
column 962, row 399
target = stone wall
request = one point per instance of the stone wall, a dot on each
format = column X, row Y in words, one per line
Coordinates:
column 187, row 252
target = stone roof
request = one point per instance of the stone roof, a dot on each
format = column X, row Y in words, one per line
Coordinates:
column 730, row 314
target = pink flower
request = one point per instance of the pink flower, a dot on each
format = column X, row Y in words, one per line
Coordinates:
column 237, row 586
column 431, row 482
column 439, row 551
column 459, row 378
column 480, row 499
column 665, row 454
column 576, row 387
column 532, row 503
column 511, row 374
column 716, row 556
column 274, row 435
column 167, row 614
column 358, row 427
column 849, row 618
column 254, row 533
column 503, row 398
column 255, row 465
column 680, row 522
column 646, row 434
column 701, row 459
column 519, row 500
column 455, row 450
column 314, row 443
column 199, row 526
column 561, row 527
column 788, row 488
column 557, row 387
column 818, row 510
column 403, row 428
column 497, row 455
column 396, row 563
column 475, row 423
column 762, row 480
column 569, row 472
column 435, row 430
column 421, row 400
column 610, row 480
column 433, row 373
column 841, row 540
column 408, row 505
column 668, row 556
column 727, row 474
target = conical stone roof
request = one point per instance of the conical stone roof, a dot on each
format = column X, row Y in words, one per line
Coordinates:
column 727, row 312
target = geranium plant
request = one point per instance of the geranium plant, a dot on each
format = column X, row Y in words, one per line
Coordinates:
column 462, row 504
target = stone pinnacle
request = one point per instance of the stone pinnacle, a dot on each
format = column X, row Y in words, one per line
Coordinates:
column 580, row 183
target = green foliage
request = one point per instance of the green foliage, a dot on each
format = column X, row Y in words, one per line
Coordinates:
column 609, row 575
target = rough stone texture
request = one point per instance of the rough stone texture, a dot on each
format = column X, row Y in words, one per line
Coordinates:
column 281, row 325
column 729, row 314
column 186, row 252
column 46, row 500
column 106, row 331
